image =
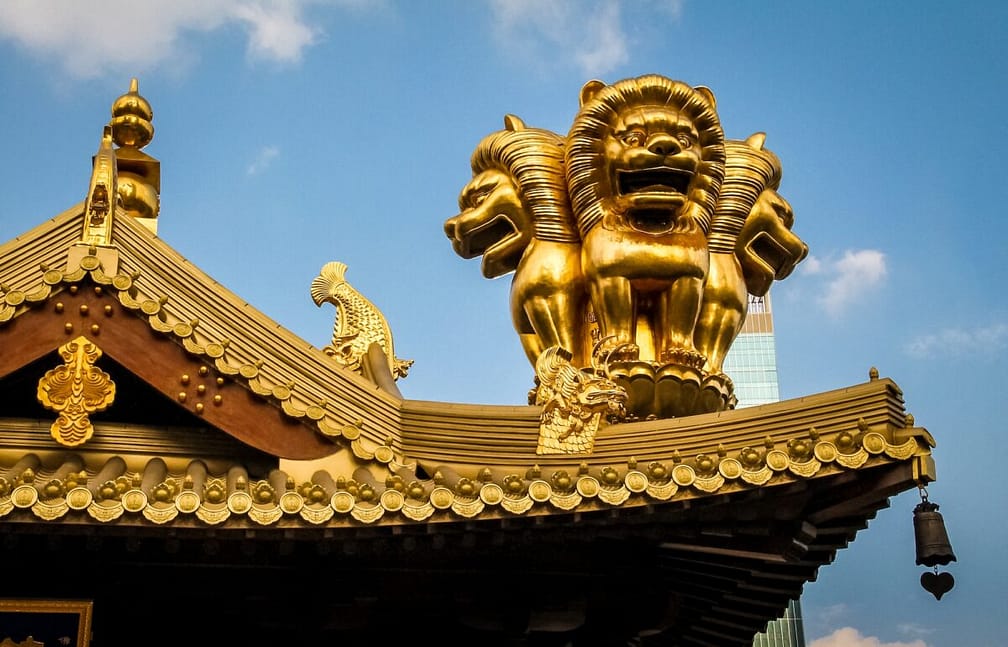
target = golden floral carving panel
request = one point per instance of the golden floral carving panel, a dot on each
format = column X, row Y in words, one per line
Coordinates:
column 76, row 390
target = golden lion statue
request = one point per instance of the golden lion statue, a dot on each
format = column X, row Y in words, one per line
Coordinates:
column 640, row 237
column 766, row 247
column 749, row 169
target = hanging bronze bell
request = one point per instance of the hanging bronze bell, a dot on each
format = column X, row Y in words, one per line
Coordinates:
column 933, row 547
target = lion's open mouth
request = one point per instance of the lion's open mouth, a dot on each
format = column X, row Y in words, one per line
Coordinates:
column 654, row 196
column 771, row 252
column 654, row 221
column 604, row 396
column 661, row 179
column 482, row 238
column 777, row 255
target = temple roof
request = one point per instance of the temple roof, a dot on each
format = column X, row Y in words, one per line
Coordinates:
column 148, row 409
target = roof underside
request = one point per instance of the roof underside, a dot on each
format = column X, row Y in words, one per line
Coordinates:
column 712, row 573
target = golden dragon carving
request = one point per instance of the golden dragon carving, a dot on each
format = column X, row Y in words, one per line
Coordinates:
column 575, row 402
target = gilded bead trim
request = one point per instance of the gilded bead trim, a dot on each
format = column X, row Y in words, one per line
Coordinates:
column 395, row 498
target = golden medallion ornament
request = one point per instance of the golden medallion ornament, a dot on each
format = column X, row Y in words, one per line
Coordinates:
column 75, row 390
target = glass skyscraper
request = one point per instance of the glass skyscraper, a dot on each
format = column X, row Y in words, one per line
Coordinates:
column 751, row 363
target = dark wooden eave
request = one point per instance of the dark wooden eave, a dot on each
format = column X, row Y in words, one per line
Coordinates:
column 710, row 573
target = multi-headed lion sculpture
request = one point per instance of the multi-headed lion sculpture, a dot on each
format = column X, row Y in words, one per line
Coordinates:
column 642, row 227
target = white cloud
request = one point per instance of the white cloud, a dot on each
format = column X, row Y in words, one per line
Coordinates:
column 262, row 160
column 275, row 31
column 856, row 273
column 811, row 265
column 590, row 33
column 959, row 341
column 850, row 637
column 605, row 47
column 89, row 39
column 831, row 614
column 912, row 629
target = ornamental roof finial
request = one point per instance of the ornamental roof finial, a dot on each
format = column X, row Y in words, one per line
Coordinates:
column 139, row 173
column 131, row 119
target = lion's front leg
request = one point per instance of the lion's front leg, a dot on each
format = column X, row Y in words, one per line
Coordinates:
column 678, row 379
column 722, row 311
column 676, row 312
column 548, row 295
column 557, row 320
column 613, row 300
column 615, row 304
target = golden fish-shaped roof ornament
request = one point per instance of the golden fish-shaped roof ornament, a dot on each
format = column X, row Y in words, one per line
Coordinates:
column 359, row 324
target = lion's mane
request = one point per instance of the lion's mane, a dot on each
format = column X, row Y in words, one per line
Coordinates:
column 748, row 172
column 589, row 186
column 534, row 157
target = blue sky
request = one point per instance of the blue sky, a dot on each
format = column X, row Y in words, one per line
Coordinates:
column 294, row 133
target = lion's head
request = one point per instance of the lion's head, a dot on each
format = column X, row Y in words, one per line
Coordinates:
column 766, row 247
column 518, row 191
column 649, row 150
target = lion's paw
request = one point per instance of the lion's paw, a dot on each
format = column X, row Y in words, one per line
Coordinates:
column 683, row 356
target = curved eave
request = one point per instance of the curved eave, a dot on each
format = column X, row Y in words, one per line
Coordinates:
column 476, row 459
column 471, row 438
